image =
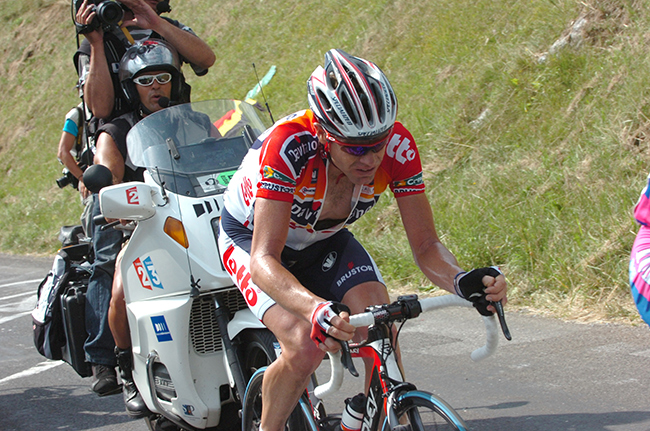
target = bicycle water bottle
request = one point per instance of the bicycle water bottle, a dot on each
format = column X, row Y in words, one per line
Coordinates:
column 353, row 413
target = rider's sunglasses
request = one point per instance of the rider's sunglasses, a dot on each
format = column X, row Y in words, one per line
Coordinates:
column 147, row 80
column 359, row 150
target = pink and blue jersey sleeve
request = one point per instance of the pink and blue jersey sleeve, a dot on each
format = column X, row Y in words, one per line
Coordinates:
column 642, row 209
column 640, row 256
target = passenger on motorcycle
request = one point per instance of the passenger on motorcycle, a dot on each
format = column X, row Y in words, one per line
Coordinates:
column 149, row 71
column 283, row 233
column 73, row 154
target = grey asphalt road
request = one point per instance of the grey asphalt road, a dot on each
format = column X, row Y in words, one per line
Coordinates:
column 552, row 376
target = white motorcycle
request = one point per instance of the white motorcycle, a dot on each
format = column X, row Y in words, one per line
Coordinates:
column 195, row 342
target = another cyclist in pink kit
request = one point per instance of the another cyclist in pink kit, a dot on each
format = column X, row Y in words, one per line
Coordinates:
column 283, row 234
column 640, row 257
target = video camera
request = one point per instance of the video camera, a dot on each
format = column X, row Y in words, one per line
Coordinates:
column 109, row 12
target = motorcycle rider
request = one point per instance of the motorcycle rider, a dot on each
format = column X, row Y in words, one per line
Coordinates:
column 149, row 71
column 283, row 232
column 98, row 60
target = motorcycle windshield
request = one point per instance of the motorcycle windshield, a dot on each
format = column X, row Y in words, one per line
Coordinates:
column 195, row 148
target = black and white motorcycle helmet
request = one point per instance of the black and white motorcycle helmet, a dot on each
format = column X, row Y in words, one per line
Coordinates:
column 351, row 97
column 149, row 55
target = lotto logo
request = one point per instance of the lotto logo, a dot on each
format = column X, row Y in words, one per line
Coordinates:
column 242, row 276
column 247, row 190
column 132, row 196
column 399, row 149
column 147, row 273
column 161, row 329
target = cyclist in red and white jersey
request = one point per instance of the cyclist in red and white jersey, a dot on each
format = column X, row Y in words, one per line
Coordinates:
column 283, row 234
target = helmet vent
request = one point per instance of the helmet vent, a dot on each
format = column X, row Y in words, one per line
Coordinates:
column 376, row 92
column 348, row 107
column 333, row 82
column 363, row 98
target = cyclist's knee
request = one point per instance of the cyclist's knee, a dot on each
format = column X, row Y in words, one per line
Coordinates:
column 364, row 295
column 303, row 362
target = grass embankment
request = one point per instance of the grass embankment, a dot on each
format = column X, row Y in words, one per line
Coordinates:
column 533, row 159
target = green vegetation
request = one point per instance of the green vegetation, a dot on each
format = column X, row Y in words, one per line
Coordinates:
column 533, row 160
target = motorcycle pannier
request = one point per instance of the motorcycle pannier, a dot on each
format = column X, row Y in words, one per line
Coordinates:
column 73, row 312
column 47, row 324
column 58, row 320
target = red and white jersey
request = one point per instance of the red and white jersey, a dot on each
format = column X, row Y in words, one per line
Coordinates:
column 285, row 164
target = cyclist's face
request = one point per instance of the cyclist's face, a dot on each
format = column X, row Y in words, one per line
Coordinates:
column 149, row 95
column 358, row 169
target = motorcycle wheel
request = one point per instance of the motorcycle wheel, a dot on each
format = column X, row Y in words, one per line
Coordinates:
column 257, row 350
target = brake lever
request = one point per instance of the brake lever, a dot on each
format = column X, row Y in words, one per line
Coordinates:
column 109, row 225
column 502, row 319
column 346, row 358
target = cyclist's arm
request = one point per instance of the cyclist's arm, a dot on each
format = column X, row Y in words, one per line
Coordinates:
column 267, row 272
column 434, row 259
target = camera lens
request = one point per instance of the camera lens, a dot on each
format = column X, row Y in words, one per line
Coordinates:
column 63, row 181
column 109, row 12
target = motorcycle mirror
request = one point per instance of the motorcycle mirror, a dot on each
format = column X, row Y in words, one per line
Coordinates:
column 96, row 177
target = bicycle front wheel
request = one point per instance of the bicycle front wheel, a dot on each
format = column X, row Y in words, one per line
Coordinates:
column 300, row 419
column 426, row 412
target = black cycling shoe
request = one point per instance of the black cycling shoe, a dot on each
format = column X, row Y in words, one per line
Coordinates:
column 104, row 380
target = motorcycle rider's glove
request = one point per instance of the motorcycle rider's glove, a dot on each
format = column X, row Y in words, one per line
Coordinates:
column 321, row 317
column 469, row 285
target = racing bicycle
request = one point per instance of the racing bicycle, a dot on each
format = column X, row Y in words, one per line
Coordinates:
column 390, row 402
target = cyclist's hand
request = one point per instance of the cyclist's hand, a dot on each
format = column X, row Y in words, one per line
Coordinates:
column 330, row 319
column 482, row 286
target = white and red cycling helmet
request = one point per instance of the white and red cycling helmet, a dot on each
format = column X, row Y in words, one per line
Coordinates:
column 351, row 97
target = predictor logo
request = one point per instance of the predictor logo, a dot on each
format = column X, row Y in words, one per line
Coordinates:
column 147, row 273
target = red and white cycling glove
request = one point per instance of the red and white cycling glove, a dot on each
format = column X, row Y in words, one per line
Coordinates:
column 321, row 318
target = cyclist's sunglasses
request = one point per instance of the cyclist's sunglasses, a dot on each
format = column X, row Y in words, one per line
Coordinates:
column 147, row 80
column 359, row 150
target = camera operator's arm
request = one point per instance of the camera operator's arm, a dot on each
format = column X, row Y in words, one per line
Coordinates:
column 66, row 143
column 188, row 45
column 98, row 87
